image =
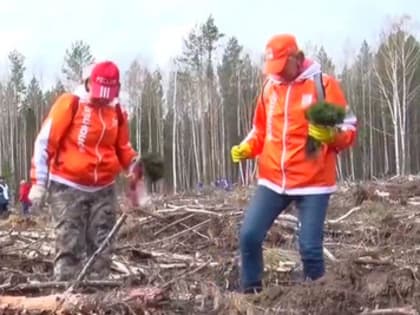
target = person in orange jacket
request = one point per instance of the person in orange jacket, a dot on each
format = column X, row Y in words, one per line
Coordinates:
column 81, row 148
column 286, row 174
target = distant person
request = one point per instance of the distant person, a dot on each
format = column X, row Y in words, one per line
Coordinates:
column 4, row 197
column 84, row 141
column 286, row 174
column 24, row 188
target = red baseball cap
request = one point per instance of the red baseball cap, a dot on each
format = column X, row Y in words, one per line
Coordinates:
column 277, row 51
column 105, row 80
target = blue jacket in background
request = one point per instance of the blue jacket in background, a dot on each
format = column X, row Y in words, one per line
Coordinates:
column 4, row 193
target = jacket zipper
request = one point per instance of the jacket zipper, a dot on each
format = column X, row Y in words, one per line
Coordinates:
column 285, row 127
column 98, row 155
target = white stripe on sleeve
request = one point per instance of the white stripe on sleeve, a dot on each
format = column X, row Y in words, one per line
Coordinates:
column 41, row 153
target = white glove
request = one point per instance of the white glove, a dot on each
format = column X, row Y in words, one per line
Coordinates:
column 36, row 194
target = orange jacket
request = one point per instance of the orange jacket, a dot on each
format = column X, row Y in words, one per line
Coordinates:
column 85, row 151
column 280, row 131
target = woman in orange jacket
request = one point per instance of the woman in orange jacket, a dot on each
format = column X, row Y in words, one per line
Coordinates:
column 286, row 174
column 81, row 148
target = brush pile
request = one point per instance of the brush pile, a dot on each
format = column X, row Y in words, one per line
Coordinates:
column 182, row 258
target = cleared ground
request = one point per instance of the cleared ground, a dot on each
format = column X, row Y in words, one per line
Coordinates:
column 187, row 252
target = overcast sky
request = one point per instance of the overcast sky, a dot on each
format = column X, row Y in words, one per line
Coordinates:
column 153, row 29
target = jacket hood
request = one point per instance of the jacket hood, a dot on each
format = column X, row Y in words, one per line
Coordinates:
column 310, row 68
column 81, row 93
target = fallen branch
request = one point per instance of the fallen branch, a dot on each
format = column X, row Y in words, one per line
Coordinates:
column 185, row 265
column 196, row 232
column 191, row 210
column 415, row 201
column 288, row 217
column 202, row 211
column 178, row 234
column 170, row 255
column 126, row 269
column 31, row 286
column 347, row 214
column 149, row 213
column 172, row 224
column 370, row 261
column 409, row 310
column 27, row 235
column 329, row 255
column 82, row 303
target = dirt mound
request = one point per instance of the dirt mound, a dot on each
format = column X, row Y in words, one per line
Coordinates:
column 347, row 289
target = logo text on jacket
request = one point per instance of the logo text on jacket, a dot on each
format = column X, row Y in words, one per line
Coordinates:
column 86, row 116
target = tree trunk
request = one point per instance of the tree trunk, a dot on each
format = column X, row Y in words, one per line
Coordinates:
column 174, row 136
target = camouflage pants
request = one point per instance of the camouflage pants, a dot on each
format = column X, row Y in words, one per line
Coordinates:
column 82, row 220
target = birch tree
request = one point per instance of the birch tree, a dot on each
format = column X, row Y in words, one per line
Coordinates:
column 14, row 96
column 395, row 68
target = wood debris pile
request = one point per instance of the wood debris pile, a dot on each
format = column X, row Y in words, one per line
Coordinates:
column 182, row 258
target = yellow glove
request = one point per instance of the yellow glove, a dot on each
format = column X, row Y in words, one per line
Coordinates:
column 240, row 152
column 322, row 134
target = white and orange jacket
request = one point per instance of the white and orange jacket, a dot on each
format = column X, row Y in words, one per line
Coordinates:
column 84, row 148
column 280, row 131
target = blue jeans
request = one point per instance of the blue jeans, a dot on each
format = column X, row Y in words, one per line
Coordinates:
column 264, row 208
